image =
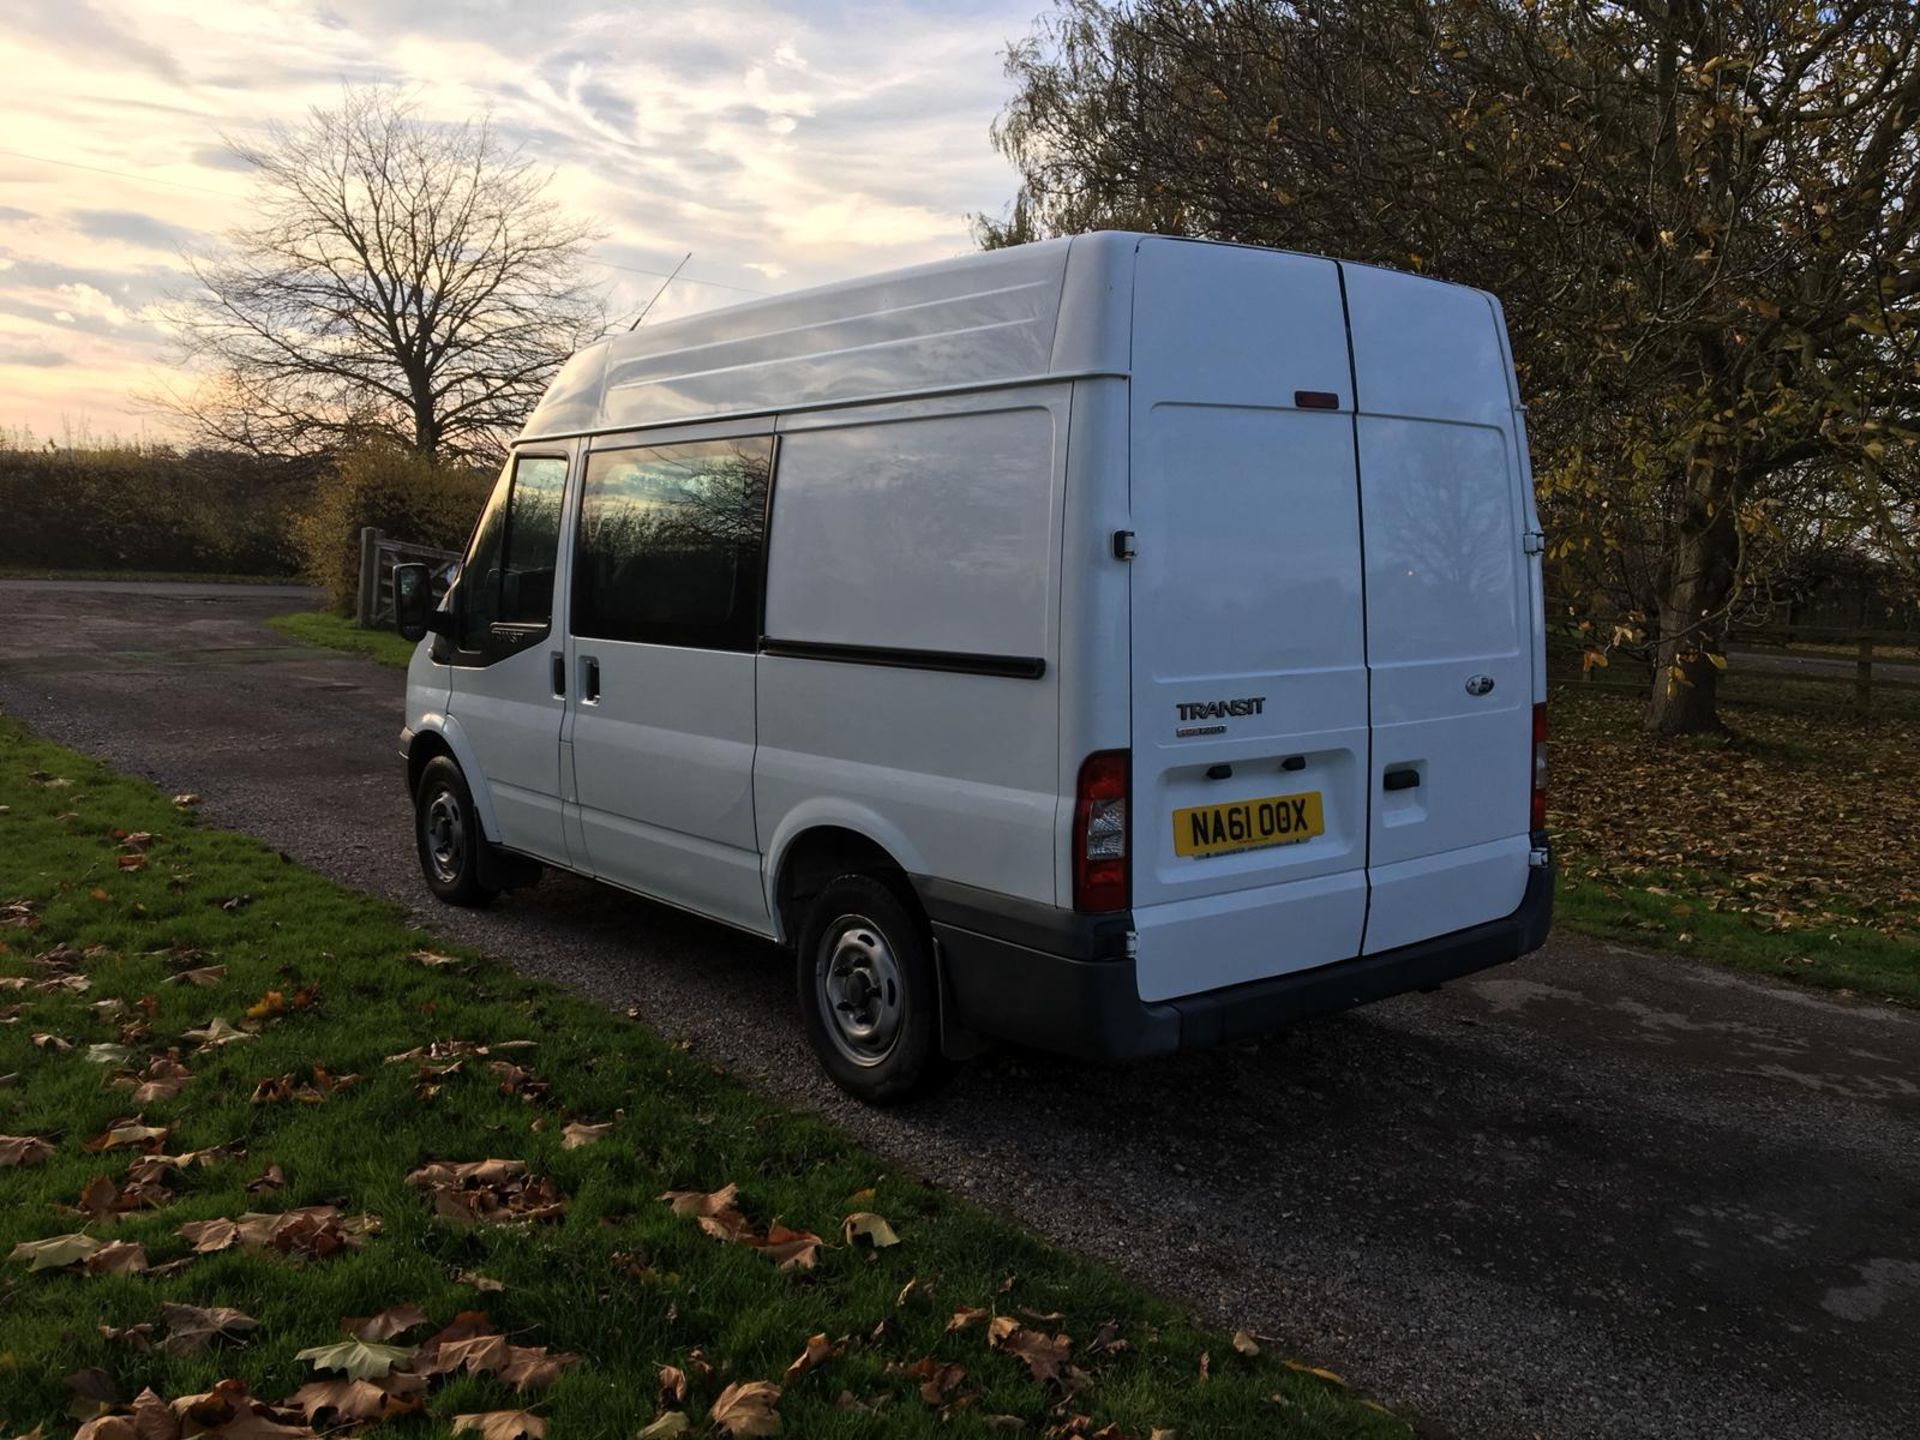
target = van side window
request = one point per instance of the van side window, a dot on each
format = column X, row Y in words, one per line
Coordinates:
column 507, row 578
column 670, row 544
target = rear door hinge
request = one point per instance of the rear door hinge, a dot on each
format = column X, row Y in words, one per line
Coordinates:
column 1534, row 542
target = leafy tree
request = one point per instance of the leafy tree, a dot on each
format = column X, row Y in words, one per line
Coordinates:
column 398, row 279
column 1703, row 216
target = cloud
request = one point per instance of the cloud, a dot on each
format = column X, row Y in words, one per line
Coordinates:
column 9, row 213
column 132, row 227
column 32, row 359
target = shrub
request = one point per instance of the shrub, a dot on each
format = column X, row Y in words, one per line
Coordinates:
column 394, row 489
column 123, row 506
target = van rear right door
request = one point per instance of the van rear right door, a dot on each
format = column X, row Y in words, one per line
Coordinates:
column 1450, row 627
column 1250, row 743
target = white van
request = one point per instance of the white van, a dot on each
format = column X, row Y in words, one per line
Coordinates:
column 1115, row 645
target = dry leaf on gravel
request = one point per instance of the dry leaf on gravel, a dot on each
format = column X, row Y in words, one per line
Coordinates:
column 186, row 801
column 23, row 1150
column 191, row 1328
column 746, row 1409
column 502, row 1425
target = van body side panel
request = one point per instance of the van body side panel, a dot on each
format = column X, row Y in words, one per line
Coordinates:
column 1450, row 623
column 913, row 557
column 1249, row 668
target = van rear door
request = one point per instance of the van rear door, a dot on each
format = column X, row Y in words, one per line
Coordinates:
column 1449, row 613
column 1250, row 759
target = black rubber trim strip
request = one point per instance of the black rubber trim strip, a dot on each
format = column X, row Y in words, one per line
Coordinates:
column 1070, row 933
column 955, row 662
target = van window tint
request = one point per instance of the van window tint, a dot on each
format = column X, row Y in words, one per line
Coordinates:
column 508, row 574
column 670, row 544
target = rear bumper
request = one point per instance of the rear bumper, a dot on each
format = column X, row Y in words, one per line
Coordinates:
column 1090, row 1007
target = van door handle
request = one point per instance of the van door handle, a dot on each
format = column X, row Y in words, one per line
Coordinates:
column 559, row 674
column 1400, row 780
column 589, row 680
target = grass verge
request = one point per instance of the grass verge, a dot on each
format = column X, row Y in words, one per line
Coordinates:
column 185, row 577
column 335, row 632
column 1783, row 847
column 125, row 925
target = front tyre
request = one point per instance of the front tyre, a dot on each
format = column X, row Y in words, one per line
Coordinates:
column 447, row 832
column 868, row 992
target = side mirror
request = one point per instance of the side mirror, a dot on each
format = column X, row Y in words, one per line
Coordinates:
column 414, row 612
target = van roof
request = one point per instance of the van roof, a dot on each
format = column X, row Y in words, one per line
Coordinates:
column 1055, row 309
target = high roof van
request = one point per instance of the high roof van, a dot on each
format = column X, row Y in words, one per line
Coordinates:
column 1115, row 645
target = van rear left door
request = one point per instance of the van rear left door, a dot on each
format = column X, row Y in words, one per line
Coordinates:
column 1249, row 801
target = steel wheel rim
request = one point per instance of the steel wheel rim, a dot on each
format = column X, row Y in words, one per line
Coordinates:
column 858, row 984
column 445, row 831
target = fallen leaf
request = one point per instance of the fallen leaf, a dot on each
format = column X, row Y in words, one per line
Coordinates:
column 864, row 1225
column 433, row 960
column 818, row 1352
column 215, row 1033
column 343, row 1400
column 55, row 1252
column 937, row 1382
column 1245, row 1344
column 495, row 1192
column 394, row 1320
column 966, row 1317
column 23, row 1150
column 119, row 1257
column 203, row 976
column 673, row 1423
column 191, row 1328
column 673, row 1386
column 357, row 1359
column 186, row 801
column 577, row 1134
column 531, row 1367
column 54, row 1043
column 269, row 1181
column 1316, row 1372
column 746, row 1409
column 502, row 1425
column 485, row 1283
column 1043, row 1354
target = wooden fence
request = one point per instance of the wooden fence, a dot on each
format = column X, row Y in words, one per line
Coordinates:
column 378, row 556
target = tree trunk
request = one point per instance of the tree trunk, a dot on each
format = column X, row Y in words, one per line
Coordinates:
column 1694, row 590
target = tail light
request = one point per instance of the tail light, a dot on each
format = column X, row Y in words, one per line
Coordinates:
column 1100, row 833
column 1537, row 815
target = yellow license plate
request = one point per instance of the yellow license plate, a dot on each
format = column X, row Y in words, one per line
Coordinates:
column 1247, row 824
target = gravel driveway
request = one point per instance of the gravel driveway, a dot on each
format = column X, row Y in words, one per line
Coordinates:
column 1595, row 1193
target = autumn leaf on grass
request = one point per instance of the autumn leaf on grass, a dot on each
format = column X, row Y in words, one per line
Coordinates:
column 315, row 1231
column 163, row 1079
column 23, row 1150
column 1314, row 1370
column 55, row 1252
column 357, row 1359
column 203, row 976
column 118, row 1257
column 215, row 1033
column 666, row 1427
column 278, row 1088
column 434, row 960
column 270, row 1181
column 534, row 1367
column 502, row 1425
column 578, row 1133
column 747, row 1409
column 191, row 1328
column 864, row 1225
column 1043, row 1354
column 497, row 1192
column 818, row 1352
column 133, row 1133
column 104, row 1199
column 345, row 1401
column 938, row 1383
column 1245, row 1344
column 186, row 801
column 108, row 1054
column 965, row 1317
column 394, row 1320
column 791, row 1249
column 720, row 1217
column 673, row 1386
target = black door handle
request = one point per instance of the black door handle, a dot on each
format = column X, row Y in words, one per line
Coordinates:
column 559, row 673
column 589, row 679
column 1400, row 780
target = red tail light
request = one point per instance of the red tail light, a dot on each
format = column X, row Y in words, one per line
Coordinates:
column 1537, row 816
column 1100, row 833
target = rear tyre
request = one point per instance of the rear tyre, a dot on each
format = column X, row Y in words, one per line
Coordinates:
column 446, row 831
column 868, row 992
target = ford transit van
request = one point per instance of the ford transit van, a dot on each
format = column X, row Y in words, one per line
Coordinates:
column 1117, row 645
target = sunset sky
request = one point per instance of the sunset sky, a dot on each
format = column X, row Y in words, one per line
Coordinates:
column 783, row 142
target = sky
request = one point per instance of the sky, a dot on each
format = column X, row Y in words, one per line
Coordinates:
column 784, row 143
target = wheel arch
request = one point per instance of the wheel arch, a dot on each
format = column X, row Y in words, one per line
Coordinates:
column 438, row 734
column 811, row 855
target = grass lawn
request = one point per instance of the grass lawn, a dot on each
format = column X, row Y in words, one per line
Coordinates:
column 1785, row 847
column 179, row 950
column 335, row 632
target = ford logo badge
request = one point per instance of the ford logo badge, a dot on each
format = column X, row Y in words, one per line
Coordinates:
column 1479, row 684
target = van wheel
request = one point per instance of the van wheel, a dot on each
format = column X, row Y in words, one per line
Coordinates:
column 868, row 992
column 447, row 832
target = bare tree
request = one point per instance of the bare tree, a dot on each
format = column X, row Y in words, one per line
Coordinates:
column 400, row 277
